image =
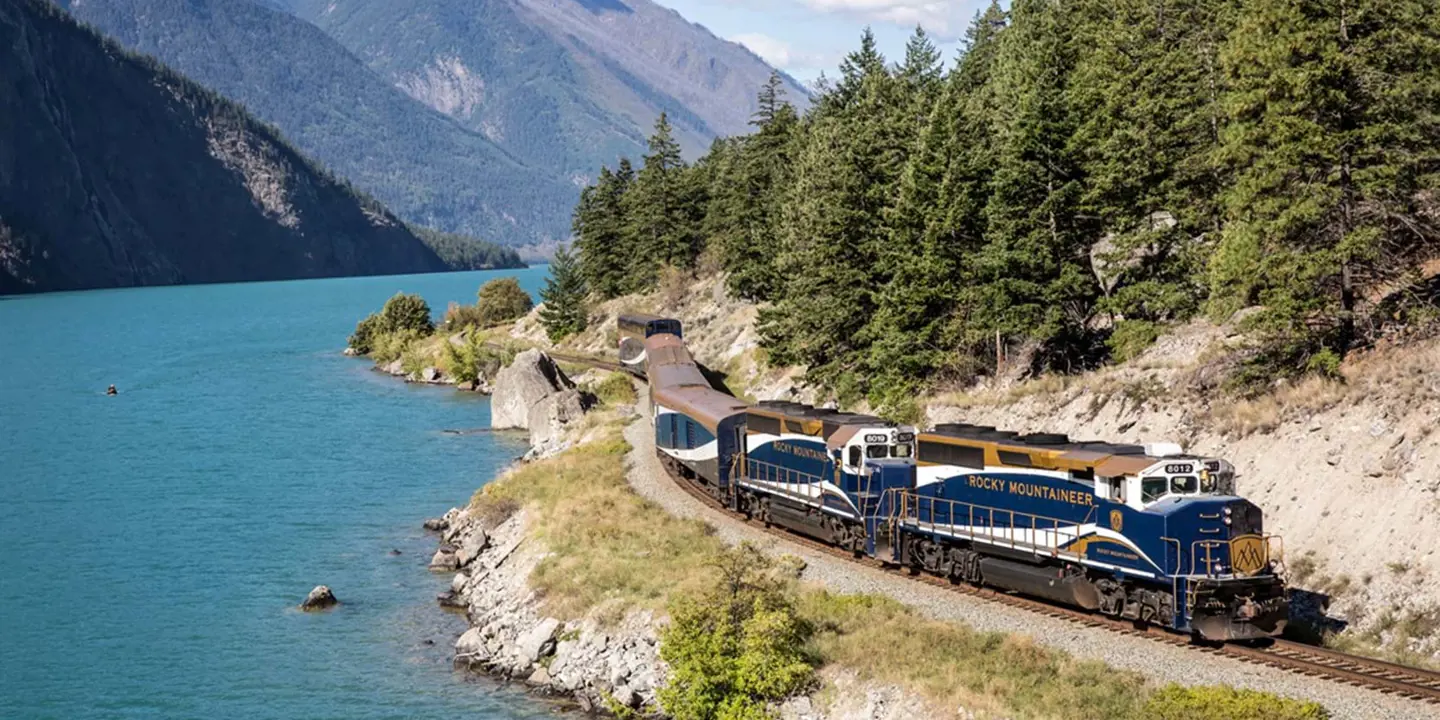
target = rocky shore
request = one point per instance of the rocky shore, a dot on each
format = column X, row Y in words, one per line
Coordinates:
column 603, row 668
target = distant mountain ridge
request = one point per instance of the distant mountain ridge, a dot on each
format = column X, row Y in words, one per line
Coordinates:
column 568, row 84
column 484, row 117
column 116, row 171
column 423, row 165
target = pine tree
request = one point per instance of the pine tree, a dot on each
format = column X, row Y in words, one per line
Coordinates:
column 1031, row 278
column 663, row 209
column 939, row 213
column 564, row 312
column 834, row 230
column 1147, row 86
column 747, row 195
column 1332, row 138
column 604, row 250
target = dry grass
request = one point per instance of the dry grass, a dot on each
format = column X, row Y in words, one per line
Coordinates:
column 1239, row 417
column 952, row 665
column 608, row 546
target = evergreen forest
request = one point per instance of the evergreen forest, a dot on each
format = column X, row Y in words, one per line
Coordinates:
column 1085, row 174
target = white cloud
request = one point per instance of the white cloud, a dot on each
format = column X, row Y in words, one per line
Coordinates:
column 943, row 18
column 779, row 53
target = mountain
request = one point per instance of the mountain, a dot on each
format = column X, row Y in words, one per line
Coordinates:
column 116, row 171
column 561, row 84
column 424, row 165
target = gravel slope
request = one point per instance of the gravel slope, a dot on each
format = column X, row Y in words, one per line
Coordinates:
column 1161, row 662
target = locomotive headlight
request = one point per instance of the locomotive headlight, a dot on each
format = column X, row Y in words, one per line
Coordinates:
column 1227, row 519
column 1228, row 512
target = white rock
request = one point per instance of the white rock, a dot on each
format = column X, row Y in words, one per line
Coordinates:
column 532, row 644
column 532, row 377
column 471, row 547
column 541, row 676
column 443, row 561
column 457, row 583
column 471, row 646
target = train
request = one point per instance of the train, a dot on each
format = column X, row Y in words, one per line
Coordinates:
column 1145, row 533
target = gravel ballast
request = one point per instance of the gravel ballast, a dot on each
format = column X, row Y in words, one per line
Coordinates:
column 1161, row 662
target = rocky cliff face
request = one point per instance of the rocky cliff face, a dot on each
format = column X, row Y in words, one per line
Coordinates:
column 115, row 171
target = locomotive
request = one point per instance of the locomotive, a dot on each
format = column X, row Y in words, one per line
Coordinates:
column 1140, row 532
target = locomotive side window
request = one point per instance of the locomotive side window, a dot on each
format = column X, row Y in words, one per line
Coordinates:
column 1153, row 488
column 1185, row 485
column 877, row 452
column 854, row 456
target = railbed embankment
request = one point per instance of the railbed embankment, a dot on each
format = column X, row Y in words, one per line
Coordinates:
column 1160, row 662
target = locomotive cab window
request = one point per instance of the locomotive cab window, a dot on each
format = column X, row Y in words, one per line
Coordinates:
column 1185, row 485
column 900, row 451
column 877, row 452
column 854, row 460
column 1153, row 488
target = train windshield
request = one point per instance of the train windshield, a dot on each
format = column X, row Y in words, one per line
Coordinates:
column 877, row 452
column 901, row 450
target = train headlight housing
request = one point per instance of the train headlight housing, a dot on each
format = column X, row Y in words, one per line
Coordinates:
column 1228, row 513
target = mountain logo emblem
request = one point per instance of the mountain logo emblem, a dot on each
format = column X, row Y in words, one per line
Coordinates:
column 1247, row 554
column 1117, row 520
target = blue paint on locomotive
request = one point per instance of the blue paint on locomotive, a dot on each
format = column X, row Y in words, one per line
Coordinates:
column 803, row 463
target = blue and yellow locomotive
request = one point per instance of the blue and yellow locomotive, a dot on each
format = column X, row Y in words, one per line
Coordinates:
column 1138, row 532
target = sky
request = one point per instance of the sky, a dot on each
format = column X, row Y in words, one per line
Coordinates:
column 806, row 37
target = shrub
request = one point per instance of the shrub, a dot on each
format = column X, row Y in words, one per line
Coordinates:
column 1224, row 703
column 389, row 347
column 363, row 339
column 458, row 317
column 404, row 313
column 616, row 389
column 476, row 358
column 502, row 300
column 736, row 645
column 1131, row 338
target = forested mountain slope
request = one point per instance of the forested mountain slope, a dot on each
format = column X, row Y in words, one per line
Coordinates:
column 426, row 167
column 1091, row 173
column 563, row 84
column 115, row 171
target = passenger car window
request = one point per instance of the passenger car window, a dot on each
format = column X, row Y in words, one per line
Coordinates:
column 1151, row 489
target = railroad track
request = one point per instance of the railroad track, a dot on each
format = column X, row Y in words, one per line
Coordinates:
column 1310, row 661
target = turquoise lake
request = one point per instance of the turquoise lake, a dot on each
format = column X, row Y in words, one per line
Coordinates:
column 154, row 545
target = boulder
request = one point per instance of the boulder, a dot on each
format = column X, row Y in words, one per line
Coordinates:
column 395, row 368
column 351, row 352
column 532, row 377
column 444, row 561
column 319, row 599
column 437, row 524
column 549, row 417
column 470, row 648
column 537, row 642
column 471, row 547
column 541, row 677
column 467, row 386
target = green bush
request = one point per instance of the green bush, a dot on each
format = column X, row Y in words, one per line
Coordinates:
column 363, row 339
column 1225, row 703
column 476, row 358
column 458, row 317
column 616, row 389
column 736, row 646
column 407, row 313
column 502, row 300
column 1131, row 338
column 389, row 347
